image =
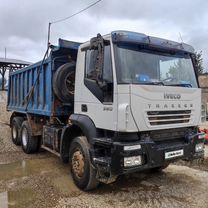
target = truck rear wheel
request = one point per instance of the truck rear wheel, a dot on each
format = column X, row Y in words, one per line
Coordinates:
column 63, row 82
column 29, row 142
column 15, row 130
column 83, row 173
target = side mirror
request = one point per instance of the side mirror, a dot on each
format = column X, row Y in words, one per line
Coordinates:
column 97, row 42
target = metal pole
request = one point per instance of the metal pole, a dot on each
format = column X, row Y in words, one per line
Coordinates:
column 3, row 75
column 49, row 31
column 5, row 53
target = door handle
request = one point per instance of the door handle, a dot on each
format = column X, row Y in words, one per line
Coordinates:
column 84, row 107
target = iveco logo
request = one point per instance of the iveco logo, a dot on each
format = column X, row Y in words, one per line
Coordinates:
column 172, row 96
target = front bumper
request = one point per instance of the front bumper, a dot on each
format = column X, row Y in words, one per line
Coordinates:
column 152, row 154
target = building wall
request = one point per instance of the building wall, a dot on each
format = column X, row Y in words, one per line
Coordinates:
column 203, row 82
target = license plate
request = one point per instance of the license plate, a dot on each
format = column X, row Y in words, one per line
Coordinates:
column 174, row 154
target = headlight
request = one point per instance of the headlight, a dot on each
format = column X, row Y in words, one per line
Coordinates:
column 199, row 147
column 132, row 161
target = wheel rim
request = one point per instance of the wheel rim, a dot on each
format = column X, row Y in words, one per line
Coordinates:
column 78, row 163
column 24, row 137
column 70, row 83
column 14, row 133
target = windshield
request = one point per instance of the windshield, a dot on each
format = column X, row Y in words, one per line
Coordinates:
column 136, row 66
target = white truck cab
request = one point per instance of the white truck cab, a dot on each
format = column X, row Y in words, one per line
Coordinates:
column 141, row 96
column 146, row 84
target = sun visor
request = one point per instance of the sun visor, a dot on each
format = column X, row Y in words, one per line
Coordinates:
column 140, row 38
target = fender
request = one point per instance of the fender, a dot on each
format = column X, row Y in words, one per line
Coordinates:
column 14, row 114
column 81, row 125
column 86, row 125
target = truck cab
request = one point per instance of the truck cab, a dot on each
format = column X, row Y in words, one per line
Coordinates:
column 137, row 77
column 141, row 93
column 120, row 103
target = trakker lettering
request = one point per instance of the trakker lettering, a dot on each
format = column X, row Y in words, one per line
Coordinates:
column 171, row 105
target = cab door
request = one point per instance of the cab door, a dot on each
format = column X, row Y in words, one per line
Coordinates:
column 98, row 99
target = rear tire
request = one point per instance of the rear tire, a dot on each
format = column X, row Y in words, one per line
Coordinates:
column 29, row 142
column 15, row 130
column 83, row 173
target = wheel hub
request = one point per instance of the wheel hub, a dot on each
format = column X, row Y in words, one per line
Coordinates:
column 78, row 163
column 70, row 83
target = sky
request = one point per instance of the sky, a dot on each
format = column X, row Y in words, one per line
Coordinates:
column 24, row 24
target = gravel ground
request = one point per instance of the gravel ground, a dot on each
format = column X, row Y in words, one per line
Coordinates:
column 41, row 180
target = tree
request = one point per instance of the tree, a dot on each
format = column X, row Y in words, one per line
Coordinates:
column 199, row 62
column 180, row 70
column 175, row 69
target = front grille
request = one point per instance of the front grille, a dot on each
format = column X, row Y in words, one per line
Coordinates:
column 170, row 136
column 168, row 117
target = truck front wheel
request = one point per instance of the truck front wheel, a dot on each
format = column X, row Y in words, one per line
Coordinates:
column 15, row 130
column 29, row 142
column 83, row 173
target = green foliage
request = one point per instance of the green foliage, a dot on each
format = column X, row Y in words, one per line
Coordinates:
column 180, row 70
column 174, row 70
column 199, row 62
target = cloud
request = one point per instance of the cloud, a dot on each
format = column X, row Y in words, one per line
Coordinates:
column 24, row 23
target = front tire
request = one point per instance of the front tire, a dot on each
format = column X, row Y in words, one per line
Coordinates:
column 83, row 173
column 15, row 130
column 29, row 142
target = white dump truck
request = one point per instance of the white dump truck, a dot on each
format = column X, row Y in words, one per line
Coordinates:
column 120, row 103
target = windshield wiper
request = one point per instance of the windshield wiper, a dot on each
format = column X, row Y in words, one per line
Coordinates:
column 180, row 85
column 151, row 83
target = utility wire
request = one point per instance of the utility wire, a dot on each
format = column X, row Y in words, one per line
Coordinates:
column 66, row 18
column 29, row 95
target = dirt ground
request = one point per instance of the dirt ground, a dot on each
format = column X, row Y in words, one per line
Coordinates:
column 41, row 180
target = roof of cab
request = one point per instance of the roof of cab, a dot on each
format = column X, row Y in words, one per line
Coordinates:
column 141, row 38
column 132, row 37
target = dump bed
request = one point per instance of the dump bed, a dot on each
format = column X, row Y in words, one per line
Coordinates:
column 30, row 89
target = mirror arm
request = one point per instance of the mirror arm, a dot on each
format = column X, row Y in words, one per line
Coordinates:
column 99, row 43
